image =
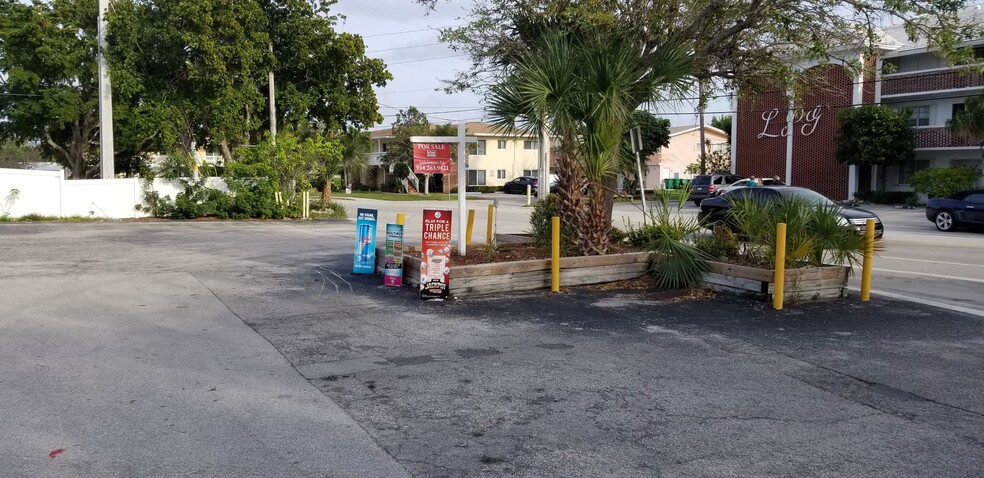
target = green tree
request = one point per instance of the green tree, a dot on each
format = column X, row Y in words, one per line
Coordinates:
column 944, row 182
column 655, row 135
column 582, row 88
column 195, row 72
column 737, row 42
column 875, row 135
column 48, row 71
column 290, row 160
column 355, row 145
column 321, row 75
column 714, row 161
column 16, row 156
column 970, row 122
column 409, row 122
column 722, row 123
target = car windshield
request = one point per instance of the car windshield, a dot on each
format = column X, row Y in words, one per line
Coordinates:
column 702, row 180
column 812, row 197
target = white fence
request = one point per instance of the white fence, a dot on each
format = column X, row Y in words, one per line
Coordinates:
column 48, row 193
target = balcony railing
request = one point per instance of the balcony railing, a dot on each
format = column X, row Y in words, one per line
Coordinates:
column 929, row 82
column 941, row 138
column 376, row 159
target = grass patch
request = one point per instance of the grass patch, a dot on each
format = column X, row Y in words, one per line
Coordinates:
column 41, row 218
column 401, row 196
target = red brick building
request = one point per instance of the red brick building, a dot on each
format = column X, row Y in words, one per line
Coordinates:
column 799, row 147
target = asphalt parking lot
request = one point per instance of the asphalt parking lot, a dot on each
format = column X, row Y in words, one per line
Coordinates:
column 247, row 349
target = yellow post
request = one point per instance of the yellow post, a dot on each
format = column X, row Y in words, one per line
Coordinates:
column 488, row 226
column 471, row 225
column 780, row 278
column 555, row 256
column 400, row 218
column 869, row 253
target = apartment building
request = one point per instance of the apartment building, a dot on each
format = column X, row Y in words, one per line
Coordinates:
column 800, row 146
column 683, row 149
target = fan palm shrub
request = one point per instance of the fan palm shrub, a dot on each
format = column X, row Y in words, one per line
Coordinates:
column 581, row 87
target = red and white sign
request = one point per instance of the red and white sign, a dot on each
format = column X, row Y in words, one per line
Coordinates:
column 431, row 158
column 435, row 265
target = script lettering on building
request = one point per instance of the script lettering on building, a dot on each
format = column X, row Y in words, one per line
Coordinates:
column 806, row 120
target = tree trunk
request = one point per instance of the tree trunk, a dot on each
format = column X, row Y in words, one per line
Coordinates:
column 595, row 232
column 226, row 151
column 609, row 183
column 570, row 181
column 326, row 191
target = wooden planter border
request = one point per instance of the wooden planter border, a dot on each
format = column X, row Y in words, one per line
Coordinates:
column 803, row 284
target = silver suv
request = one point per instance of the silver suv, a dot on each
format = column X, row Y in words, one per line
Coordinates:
column 706, row 185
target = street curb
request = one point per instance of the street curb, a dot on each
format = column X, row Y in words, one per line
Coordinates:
column 931, row 303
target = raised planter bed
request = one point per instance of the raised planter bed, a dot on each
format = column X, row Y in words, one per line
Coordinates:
column 803, row 284
column 495, row 278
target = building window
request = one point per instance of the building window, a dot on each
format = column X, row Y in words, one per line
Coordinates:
column 476, row 177
column 501, row 144
column 385, row 146
column 500, row 174
column 919, row 115
column 477, row 148
column 697, row 146
column 531, row 145
column 957, row 109
column 906, row 170
column 531, row 172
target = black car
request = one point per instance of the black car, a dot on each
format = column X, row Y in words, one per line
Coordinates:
column 706, row 185
column 965, row 208
column 716, row 209
column 518, row 185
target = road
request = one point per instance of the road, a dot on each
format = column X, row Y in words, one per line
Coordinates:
column 916, row 260
column 230, row 348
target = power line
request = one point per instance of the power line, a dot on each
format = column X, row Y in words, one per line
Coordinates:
column 427, row 59
column 409, row 31
column 405, row 47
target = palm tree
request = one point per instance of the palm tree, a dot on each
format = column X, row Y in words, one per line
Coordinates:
column 582, row 89
column 356, row 145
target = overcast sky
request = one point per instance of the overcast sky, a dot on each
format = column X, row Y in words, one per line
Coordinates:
column 406, row 38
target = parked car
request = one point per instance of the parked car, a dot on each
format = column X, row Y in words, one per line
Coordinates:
column 965, row 208
column 705, row 185
column 518, row 185
column 743, row 182
column 717, row 209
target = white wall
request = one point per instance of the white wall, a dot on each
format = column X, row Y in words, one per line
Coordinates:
column 47, row 193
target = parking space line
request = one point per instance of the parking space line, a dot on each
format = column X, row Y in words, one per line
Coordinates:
column 932, row 262
column 924, row 274
column 931, row 303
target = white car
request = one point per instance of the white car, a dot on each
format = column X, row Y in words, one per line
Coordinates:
column 744, row 182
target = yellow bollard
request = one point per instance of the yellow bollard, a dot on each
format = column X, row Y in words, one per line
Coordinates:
column 400, row 218
column 555, row 255
column 471, row 224
column 869, row 253
column 488, row 226
column 780, row 277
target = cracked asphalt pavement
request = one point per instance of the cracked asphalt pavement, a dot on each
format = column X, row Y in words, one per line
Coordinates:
column 583, row 383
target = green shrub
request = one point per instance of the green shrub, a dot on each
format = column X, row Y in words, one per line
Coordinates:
column 330, row 209
column 541, row 224
column 944, row 182
column 671, row 234
column 816, row 233
column 722, row 244
column 483, row 189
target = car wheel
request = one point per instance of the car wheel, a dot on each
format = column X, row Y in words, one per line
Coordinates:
column 697, row 202
column 944, row 221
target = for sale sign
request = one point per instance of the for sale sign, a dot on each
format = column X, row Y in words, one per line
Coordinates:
column 431, row 158
column 435, row 265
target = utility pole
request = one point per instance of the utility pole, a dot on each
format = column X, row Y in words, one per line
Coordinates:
column 543, row 182
column 273, row 103
column 701, row 105
column 107, row 165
